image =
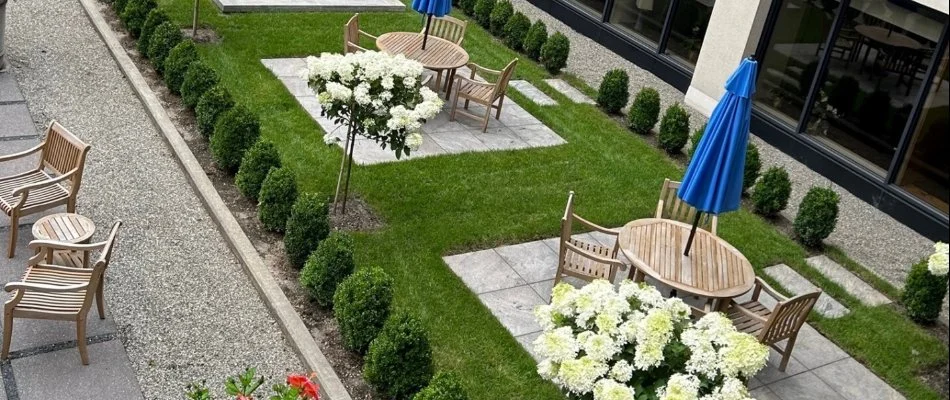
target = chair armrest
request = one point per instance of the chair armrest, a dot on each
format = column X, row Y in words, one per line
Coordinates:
column 459, row 79
column 748, row 313
column 57, row 245
column 761, row 285
column 595, row 227
column 26, row 188
column 60, row 268
column 475, row 67
column 39, row 287
column 594, row 257
column 21, row 154
column 659, row 209
column 367, row 34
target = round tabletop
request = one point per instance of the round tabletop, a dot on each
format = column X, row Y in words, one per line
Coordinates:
column 713, row 269
column 64, row 227
column 886, row 36
column 439, row 53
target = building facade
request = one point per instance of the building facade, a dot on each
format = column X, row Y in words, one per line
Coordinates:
column 855, row 89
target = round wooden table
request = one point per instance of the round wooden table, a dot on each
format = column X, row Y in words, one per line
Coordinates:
column 439, row 54
column 714, row 269
column 67, row 228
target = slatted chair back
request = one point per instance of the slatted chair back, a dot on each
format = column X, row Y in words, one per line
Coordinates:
column 671, row 207
column 581, row 259
column 448, row 28
column 63, row 152
column 99, row 268
column 351, row 35
column 501, row 86
column 787, row 318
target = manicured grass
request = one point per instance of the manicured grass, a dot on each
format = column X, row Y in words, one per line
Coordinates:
column 444, row 205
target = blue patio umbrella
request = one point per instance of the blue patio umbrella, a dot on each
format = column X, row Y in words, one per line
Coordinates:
column 713, row 180
column 437, row 8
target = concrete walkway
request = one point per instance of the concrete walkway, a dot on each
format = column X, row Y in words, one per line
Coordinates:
column 181, row 307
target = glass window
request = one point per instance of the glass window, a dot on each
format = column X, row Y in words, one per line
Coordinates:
column 875, row 70
column 791, row 58
column 687, row 29
column 594, row 6
column 643, row 18
column 925, row 169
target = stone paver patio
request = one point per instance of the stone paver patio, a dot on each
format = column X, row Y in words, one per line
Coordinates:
column 516, row 129
column 512, row 280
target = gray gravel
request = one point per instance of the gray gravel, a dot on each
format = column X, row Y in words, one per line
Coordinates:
column 185, row 309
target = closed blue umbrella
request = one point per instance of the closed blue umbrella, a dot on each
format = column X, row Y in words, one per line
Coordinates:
column 713, row 180
column 437, row 8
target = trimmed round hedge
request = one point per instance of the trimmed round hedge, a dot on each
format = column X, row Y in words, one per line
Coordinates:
column 399, row 361
column 483, row 10
column 645, row 111
column 554, row 52
column 308, row 225
column 177, row 63
column 674, row 129
column 154, row 18
column 468, row 6
column 212, row 105
column 694, row 141
column 500, row 14
column 135, row 13
column 444, row 386
column 326, row 267
column 278, row 194
column 118, row 6
column 516, row 30
column 535, row 39
column 817, row 216
column 923, row 294
column 772, row 192
column 361, row 305
column 235, row 132
column 257, row 162
column 163, row 40
column 613, row 95
column 753, row 166
column 199, row 78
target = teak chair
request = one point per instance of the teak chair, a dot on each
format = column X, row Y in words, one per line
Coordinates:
column 671, row 207
column 59, row 292
column 773, row 326
column 62, row 154
column 484, row 93
column 352, row 35
column 448, row 28
column 584, row 260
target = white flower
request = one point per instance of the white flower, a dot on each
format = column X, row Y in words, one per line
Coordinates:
column 717, row 327
column 547, row 369
column 733, row 389
column 361, row 94
column 622, row 371
column 330, row 140
column 338, row 92
column 409, row 81
column 607, row 389
column 653, row 334
column 557, row 344
column 680, row 387
column 414, row 140
column 544, row 315
column 937, row 263
column 600, row 347
column 562, row 299
column 703, row 359
column 742, row 356
column 387, row 83
column 579, row 375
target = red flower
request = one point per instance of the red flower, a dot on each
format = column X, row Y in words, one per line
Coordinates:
column 308, row 389
column 243, row 397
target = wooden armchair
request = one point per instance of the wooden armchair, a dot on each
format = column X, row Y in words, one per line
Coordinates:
column 58, row 292
column 61, row 154
column 448, row 28
column 671, row 207
column 484, row 93
column 352, row 35
column 584, row 260
column 773, row 326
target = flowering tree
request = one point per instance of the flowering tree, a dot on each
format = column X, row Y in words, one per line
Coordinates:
column 377, row 96
column 604, row 344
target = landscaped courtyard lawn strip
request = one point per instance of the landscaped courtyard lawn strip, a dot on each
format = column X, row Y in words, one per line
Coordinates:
column 443, row 205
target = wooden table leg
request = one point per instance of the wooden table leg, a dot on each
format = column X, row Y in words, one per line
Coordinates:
column 449, row 80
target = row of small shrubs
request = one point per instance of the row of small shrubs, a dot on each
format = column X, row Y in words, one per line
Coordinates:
column 517, row 32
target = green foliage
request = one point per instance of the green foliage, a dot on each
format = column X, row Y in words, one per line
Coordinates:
column 154, row 18
column 817, row 216
column 235, row 132
column 199, row 78
column 483, row 10
column 674, row 129
column 645, row 111
column 257, row 162
column 924, row 293
column 361, row 305
column 499, row 17
column 399, row 361
column 694, row 141
column 772, row 192
column 119, row 6
column 212, row 105
column 535, row 39
column 163, row 40
column 177, row 63
column 468, row 6
column 277, row 197
column 444, row 386
column 309, row 223
column 554, row 52
column 753, row 165
column 135, row 13
column 613, row 94
column 326, row 267
column 516, row 30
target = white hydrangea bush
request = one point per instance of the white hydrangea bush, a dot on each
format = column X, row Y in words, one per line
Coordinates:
column 631, row 343
column 937, row 263
column 379, row 95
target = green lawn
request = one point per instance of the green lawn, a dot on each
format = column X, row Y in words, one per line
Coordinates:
column 444, row 205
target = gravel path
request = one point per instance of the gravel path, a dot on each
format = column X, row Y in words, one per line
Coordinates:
column 183, row 305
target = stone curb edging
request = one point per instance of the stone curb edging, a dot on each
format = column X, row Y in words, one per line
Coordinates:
column 290, row 322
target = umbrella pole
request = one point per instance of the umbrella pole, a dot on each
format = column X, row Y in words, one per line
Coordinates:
column 692, row 232
column 425, row 36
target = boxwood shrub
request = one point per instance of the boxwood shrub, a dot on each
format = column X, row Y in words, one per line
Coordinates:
column 326, row 267
column 554, row 52
column 163, row 40
column 923, row 294
column 257, row 162
column 444, row 386
column 516, row 30
column 483, row 10
column 135, row 13
column 753, row 166
column 674, row 129
column 308, row 225
column 535, row 39
column 235, row 132
column 772, row 192
column 817, row 216
column 154, row 18
column 212, row 105
column 694, row 141
column 278, row 194
column 645, row 111
column 361, row 305
column 399, row 361
column 177, row 63
column 613, row 94
column 119, row 6
column 199, row 78
column 468, row 7
column 500, row 14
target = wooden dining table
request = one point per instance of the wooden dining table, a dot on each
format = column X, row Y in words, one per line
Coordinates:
column 439, row 54
column 714, row 269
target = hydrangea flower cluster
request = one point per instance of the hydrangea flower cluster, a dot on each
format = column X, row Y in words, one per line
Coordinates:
column 618, row 344
column 937, row 263
column 380, row 96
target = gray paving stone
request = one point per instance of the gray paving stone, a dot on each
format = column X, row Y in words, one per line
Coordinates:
column 763, row 393
column 512, row 115
column 814, row 350
column 532, row 93
column 854, row 381
column 454, row 142
column 755, row 383
column 9, row 91
column 500, row 139
column 16, row 121
column 806, row 386
column 533, row 261
column 791, row 280
column 537, row 135
column 289, row 67
column 543, row 289
column 31, row 333
column 23, row 164
column 569, row 91
column 484, row 271
column 514, row 308
column 770, row 374
column 527, row 342
column 240, row 6
column 61, row 375
column 297, row 86
column 847, row 280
